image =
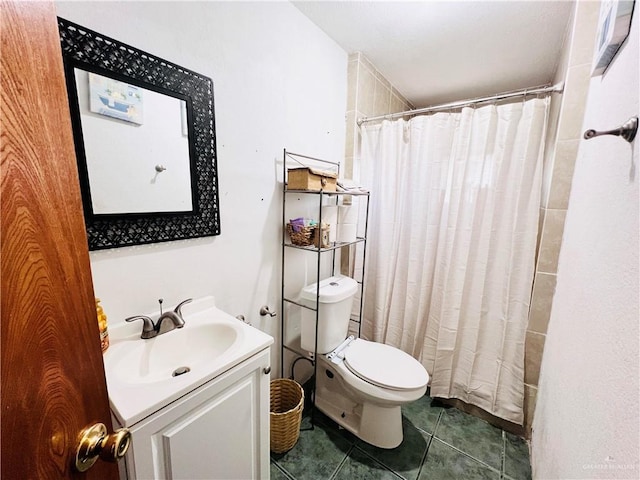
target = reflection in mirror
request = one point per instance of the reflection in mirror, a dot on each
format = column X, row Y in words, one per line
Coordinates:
column 136, row 145
column 144, row 131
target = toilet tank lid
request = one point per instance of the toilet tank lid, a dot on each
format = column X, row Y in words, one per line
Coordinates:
column 333, row 289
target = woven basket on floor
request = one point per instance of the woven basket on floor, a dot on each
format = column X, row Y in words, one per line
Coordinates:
column 287, row 402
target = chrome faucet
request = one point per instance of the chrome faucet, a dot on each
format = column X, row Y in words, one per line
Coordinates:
column 166, row 322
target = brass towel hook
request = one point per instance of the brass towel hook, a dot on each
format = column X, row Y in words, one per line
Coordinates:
column 627, row 131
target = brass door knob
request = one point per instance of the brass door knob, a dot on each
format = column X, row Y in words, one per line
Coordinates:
column 95, row 442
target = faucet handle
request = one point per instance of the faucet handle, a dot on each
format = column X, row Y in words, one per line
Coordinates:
column 148, row 329
column 178, row 308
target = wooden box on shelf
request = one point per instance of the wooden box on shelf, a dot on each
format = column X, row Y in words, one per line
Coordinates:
column 306, row 178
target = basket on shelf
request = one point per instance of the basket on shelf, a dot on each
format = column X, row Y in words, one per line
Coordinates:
column 306, row 236
column 287, row 402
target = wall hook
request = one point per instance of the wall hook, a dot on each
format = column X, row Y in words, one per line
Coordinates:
column 627, row 131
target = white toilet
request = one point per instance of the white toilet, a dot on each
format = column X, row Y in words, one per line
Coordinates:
column 360, row 384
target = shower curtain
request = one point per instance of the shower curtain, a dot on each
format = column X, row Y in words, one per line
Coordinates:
column 451, row 245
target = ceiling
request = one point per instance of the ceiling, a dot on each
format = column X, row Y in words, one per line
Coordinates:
column 441, row 51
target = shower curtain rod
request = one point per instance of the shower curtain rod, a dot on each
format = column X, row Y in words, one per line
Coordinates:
column 463, row 103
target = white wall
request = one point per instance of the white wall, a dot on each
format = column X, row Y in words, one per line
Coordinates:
column 279, row 82
column 586, row 420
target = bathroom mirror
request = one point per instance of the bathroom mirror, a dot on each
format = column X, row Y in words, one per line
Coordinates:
column 136, row 146
column 144, row 133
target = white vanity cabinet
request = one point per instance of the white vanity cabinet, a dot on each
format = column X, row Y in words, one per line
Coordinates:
column 220, row 430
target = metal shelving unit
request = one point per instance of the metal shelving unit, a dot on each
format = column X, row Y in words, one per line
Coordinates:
column 289, row 159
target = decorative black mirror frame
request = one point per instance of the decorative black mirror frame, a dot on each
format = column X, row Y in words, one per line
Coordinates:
column 95, row 52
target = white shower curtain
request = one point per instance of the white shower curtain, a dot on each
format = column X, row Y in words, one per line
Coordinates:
column 451, row 245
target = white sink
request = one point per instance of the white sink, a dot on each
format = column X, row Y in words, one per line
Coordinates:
column 158, row 359
column 145, row 375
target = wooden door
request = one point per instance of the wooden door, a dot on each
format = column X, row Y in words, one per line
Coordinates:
column 53, row 381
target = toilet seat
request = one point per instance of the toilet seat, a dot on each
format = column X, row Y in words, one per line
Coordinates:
column 384, row 366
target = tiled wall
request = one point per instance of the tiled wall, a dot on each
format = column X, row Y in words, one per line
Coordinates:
column 564, row 134
column 369, row 94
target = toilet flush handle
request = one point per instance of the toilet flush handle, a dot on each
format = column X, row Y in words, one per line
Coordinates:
column 264, row 310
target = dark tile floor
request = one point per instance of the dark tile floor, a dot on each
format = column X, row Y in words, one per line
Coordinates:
column 439, row 443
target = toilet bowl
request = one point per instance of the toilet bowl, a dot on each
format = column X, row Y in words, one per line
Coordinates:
column 361, row 385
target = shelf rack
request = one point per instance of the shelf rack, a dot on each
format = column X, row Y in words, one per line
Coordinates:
column 288, row 159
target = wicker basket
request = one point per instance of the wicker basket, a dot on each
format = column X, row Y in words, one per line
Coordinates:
column 309, row 235
column 303, row 237
column 287, row 402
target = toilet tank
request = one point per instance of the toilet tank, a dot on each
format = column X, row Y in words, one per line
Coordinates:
column 334, row 311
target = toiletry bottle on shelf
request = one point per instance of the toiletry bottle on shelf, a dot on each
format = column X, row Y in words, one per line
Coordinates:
column 102, row 323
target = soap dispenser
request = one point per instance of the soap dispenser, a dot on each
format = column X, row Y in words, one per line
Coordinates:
column 102, row 324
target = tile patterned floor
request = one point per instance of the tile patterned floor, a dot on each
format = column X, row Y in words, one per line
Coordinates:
column 439, row 444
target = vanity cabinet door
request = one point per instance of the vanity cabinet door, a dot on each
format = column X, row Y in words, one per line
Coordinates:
column 219, row 431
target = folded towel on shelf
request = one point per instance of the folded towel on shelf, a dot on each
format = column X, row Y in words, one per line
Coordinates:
column 349, row 186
